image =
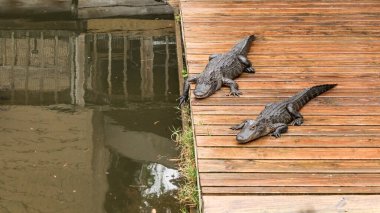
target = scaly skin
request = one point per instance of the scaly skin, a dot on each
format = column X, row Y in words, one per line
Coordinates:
column 221, row 70
column 274, row 119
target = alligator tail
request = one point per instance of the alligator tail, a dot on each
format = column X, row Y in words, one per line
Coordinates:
column 302, row 98
column 242, row 48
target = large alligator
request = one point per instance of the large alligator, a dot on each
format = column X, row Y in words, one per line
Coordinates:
column 276, row 116
column 221, row 70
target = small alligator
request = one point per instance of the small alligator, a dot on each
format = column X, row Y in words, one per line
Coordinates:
column 276, row 116
column 221, row 70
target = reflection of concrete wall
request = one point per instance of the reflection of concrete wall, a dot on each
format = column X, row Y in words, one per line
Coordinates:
column 50, row 79
column 35, row 48
column 146, row 69
column 32, row 60
column 35, row 64
column 46, row 162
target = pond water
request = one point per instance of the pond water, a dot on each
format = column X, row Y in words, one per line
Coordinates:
column 86, row 118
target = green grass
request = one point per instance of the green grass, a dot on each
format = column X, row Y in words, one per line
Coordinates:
column 188, row 192
column 185, row 74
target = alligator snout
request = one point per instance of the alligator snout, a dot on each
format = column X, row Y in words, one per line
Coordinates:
column 204, row 90
column 199, row 94
column 240, row 138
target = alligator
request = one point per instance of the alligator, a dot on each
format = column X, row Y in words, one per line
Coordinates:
column 221, row 70
column 274, row 119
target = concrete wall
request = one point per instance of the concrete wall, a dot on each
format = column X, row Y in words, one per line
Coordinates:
column 25, row 8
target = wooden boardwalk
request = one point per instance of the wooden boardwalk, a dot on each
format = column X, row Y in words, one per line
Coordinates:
column 332, row 162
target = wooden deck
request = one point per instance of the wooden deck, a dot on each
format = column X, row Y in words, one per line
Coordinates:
column 332, row 162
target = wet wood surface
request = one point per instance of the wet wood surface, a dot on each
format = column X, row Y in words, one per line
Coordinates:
column 299, row 44
column 301, row 204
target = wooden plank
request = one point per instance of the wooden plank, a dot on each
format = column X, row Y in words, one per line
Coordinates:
column 310, row 59
column 291, row 141
column 265, row 20
column 289, row 32
column 289, row 166
column 296, row 41
column 286, row 93
column 327, row 120
column 273, row 1
column 288, row 153
column 298, row 130
column 293, row 190
column 312, row 62
column 300, row 69
column 291, row 204
column 306, row 111
column 253, row 11
column 231, row 39
column 328, row 77
column 289, row 179
column 272, row 48
column 260, row 29
column 368, row 25
column 278, row 4
column 242, row 100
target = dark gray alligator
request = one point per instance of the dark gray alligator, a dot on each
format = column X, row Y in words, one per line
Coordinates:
column 221, row 70
column 276, row 116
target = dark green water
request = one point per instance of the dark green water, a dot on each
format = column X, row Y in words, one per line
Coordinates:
column 86, row 119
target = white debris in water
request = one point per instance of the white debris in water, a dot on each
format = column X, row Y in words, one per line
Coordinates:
column 162, row 179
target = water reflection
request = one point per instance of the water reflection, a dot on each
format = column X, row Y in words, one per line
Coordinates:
column 85, row 118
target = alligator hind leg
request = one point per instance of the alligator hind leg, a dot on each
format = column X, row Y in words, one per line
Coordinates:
column 248, row 66
column 233, row 86
column 298, row 118
column 279, row 128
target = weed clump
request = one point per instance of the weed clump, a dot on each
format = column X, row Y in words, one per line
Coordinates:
column 188, row 191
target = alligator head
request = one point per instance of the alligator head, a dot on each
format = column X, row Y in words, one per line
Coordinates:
column 253, row 130
column 207, row 86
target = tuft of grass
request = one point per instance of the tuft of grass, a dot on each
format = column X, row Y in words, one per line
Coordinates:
column 185, row 74
column 187, row 193
column 177, row 18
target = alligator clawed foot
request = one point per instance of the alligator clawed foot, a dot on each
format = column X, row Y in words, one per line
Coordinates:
column 276, row 134
column 235, row 93
column 297, row 122
column 236, row 127
column 250, row 70
column 182, row 100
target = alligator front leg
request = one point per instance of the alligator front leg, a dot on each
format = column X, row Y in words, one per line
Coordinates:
column 279, row 128
column 233, row 86
column 248, row 66
column 186, row 88
column 298, row 118
column 242, row 124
